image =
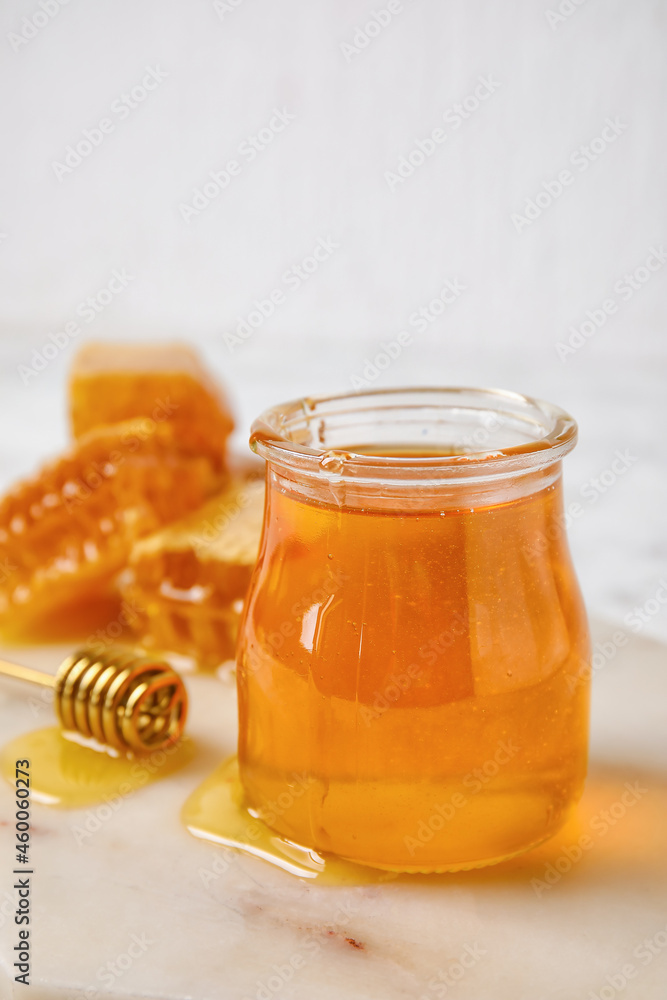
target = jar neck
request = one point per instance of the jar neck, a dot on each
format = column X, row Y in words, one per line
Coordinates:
column 332, row 489
column 414, row 449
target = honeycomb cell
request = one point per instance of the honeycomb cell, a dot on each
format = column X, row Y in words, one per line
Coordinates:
column 65, row 533
column 188, row 581
column 113, row 382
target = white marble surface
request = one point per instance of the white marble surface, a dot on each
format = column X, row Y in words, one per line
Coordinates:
column 221, row 938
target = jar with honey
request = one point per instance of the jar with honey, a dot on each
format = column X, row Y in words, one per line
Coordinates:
column 413, row 663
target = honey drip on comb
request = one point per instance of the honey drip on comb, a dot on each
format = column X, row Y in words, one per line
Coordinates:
column 67, row 773
column 217, row 811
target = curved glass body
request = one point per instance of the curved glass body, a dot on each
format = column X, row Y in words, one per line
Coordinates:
column 413, row 660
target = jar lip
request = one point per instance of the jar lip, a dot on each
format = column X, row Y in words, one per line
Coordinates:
column 293, row 434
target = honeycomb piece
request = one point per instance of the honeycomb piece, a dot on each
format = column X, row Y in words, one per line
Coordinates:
column 112, row 382
column 65, row 533
column 187, row 582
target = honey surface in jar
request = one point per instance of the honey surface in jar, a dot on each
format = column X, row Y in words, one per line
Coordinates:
column 166, row 382
column 65, row 533
column 188, row 581
column 423, row 671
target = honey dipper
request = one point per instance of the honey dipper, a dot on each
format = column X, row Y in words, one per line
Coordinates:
column 124, row 700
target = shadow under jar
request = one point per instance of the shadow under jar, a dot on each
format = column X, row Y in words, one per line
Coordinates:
column 413, row 664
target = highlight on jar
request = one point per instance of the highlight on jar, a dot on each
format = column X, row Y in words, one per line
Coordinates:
column 411, row 662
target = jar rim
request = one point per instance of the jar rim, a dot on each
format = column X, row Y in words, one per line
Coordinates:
column 294, row 434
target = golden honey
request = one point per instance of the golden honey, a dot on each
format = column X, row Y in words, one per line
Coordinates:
column 414, row 636
column 151, row 428
column 112, row 382
column 66, row 532
column 68, row 773
column 188, row 580
column 218, row 812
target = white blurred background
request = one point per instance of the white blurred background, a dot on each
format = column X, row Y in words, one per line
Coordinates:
column 335, row 96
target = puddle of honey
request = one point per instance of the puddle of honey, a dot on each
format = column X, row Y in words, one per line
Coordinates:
column 67, row 773
column 217, row 811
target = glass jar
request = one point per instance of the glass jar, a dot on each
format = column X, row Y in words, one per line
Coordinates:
column 413, row 659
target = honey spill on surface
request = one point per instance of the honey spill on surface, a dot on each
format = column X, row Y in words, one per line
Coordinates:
column 423, row 670
column 66, row 773
column 217, row 811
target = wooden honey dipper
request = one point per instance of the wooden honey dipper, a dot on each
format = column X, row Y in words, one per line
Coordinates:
column 122, row 699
